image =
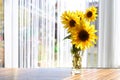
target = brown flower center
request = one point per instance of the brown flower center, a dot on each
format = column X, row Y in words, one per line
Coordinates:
column 89, row 14
column 72, row 23
column 83, row 35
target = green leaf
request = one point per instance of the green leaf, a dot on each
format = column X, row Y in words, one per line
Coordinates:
column 74, row 50
column 68, row 37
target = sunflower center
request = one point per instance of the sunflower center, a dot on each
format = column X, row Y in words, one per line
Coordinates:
column 89, row 14
column 83, row 35
column 72, row 23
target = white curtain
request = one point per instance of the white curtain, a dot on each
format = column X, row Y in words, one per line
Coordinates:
column 47, row 34
column 36, row 34
column 21, row 33
column 52, row 37
column 109, row 34
column 11, row 33
column 106, row 17
column 116, row 34
column 28, row 19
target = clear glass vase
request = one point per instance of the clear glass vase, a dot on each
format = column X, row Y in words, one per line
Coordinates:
column 76, row 63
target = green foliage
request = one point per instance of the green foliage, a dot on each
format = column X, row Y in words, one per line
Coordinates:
column 74, row 49
column 68, row 37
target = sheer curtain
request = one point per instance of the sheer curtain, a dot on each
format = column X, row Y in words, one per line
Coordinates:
column 36, row 33
column 109, row 34
column 116, row 34
column 28, row 29
column 47, row 33
column 11, row 33
column 53, row 50
column 63, row 56
column 21, row 33
column 41, row 33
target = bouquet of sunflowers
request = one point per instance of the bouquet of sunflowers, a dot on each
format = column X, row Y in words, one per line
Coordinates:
column 81, row 32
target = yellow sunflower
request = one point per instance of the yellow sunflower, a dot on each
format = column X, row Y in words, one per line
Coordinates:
column 70, row 20
column 80, row 14
column 91, row 13
column 84, row 37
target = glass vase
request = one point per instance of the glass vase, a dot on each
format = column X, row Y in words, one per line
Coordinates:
column 76, row 63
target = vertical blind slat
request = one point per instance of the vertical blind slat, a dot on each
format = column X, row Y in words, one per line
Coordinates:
column 25, row 52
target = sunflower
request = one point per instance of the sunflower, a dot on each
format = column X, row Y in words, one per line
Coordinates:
column 70, row 20
column 91, row 13
column 80, row 14
column 84, row 37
